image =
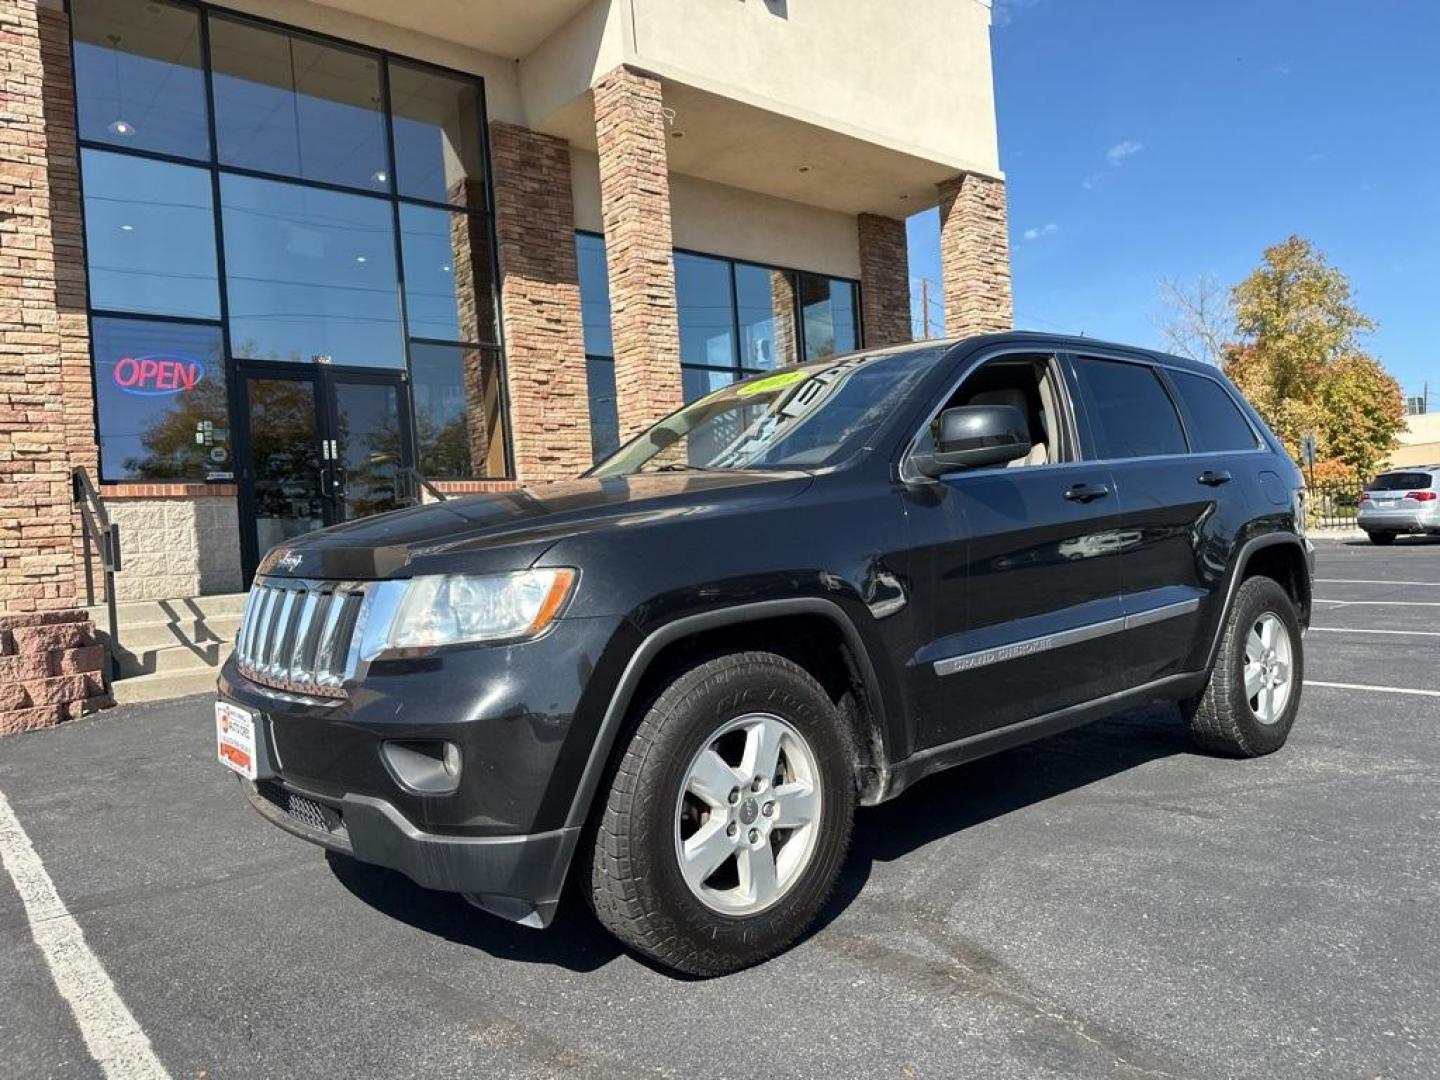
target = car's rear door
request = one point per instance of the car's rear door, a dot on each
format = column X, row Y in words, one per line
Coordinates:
column 1182, row 506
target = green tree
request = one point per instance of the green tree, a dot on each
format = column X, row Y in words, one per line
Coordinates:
column 1299, row 361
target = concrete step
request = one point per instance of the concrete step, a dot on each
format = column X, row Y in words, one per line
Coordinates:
column 163, row 687
column 142, row 612
column 207, row 631
column 170, row 658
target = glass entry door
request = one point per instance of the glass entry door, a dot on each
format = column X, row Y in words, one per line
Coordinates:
column 321, row 446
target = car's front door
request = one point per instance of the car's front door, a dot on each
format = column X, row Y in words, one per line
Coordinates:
column 1017, row 570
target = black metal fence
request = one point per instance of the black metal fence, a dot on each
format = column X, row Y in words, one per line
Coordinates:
column 1333, row 506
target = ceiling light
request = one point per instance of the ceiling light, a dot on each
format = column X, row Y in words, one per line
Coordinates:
column 120, row 127
column 445, row 269
column 904, row 196
column 803, row 168
column 359, row 258
column 677, row 134
column 127, row 228
column 380, row 176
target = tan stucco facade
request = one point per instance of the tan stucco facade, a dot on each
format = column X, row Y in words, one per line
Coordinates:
column 1419, row 442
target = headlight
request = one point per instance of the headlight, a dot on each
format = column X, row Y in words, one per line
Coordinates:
column 444, row 609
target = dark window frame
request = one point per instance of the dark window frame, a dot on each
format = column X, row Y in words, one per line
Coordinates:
column 212, row 162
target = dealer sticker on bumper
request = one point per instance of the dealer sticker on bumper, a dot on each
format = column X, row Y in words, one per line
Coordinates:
column 235, row 734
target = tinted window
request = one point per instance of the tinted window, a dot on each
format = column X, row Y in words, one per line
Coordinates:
column 160, row 400
column 828, row 308
column 1402, row 481
column 707, row 313
column 594, row 295
column 438, row 120
column 1216, row 423
column 150, row 236
column 1130, row 413
column 138, row 81
column 604, row 412
column 696, row 382
column 766, row 303
column 448, row 292
column 310, row 273
column 288, row 104
column 459, row 421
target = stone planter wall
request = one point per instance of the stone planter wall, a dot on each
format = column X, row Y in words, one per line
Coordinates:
column 51, row 670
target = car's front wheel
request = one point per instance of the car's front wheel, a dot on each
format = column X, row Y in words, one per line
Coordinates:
column 728, row 816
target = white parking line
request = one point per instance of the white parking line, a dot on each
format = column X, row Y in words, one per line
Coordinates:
column 1379, row 603
column 1374, row 689
column 1369, row 581
column 111, row 1034
column 1353, row 630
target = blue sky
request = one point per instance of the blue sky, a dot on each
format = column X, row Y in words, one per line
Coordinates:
column 1144, row 139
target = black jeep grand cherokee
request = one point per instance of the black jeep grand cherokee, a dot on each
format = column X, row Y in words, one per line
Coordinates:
column 674, row 678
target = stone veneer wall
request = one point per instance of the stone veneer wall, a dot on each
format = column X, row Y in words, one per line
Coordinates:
column 975, row 255
column 51, row 669
column 177, row 547
column 884, row 279
column 635, row 209
column 540, row 302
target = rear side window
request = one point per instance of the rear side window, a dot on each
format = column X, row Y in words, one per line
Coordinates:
column 1216, row 422
column 1402, row 481
column 1130, row 413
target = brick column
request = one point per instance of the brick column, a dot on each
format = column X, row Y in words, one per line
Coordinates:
column 884, row 279
column 975, row 255
column 540, row 304
column 635, row 208
column 782, row 304
column 48, row 667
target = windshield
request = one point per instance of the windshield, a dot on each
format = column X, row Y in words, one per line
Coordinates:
column 803, row 417
column 1401, row 481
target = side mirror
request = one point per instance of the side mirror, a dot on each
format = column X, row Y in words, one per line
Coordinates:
column 973, row 436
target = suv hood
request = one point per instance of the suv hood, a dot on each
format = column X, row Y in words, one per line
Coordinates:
column 510, row 530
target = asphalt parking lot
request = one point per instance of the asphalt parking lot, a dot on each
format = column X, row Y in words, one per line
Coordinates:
column 1105, row 903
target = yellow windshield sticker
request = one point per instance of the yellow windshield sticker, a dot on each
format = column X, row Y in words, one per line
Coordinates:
column 773, row 382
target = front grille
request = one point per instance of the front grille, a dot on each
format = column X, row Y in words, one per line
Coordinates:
column 304, row 810
column 297, row 635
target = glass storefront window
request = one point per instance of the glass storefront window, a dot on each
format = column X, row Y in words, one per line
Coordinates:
column 459, row 416
column 696, row 382
column 310, row 274
column 594, row 294
column 149, row 236
column 138, row 76
column 829, row 310
column 160, row 398
column 604, row 410
column 438, row 120
column 448, row 282
column 706, row 310
column 766, row 308
column 288, row 104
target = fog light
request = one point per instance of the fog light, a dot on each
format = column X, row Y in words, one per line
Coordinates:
column 424, row 766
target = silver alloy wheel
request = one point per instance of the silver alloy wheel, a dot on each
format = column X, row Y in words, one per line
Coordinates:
column 748, row 815
column 1269, row 667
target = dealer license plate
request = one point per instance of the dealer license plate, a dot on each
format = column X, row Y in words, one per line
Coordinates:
column 236, row 733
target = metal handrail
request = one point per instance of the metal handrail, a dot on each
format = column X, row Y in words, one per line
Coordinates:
column 99, row 532
column 413, row 474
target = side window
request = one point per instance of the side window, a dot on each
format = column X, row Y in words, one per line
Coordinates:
column 1032, row 385
column 1216, row 422
column 1130, row 412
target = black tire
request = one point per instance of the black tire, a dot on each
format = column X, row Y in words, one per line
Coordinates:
column 1221, row 719
column 636, row 886
column 1381, row 538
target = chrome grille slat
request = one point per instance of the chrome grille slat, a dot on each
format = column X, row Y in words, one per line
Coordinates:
column 297, row 634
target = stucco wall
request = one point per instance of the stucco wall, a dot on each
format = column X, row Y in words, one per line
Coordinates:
column 177, row 547
column 721, row 220
column 1419, row 442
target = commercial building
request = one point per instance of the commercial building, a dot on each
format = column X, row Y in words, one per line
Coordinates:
column 260, row 259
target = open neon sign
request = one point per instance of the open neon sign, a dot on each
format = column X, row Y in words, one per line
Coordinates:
column 158, row 374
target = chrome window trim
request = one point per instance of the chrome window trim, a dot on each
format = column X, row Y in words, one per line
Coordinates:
column 1046, row 642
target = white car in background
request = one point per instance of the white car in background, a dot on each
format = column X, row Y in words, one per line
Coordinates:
column 1402, row 501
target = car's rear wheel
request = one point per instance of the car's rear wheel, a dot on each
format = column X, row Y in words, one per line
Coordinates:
column 1249, row 704
column 728, row 816
column 1382, row 538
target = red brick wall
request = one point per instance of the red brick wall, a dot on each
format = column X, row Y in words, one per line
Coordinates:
column 46, row 402
column 975, row 255
column 884, row 279
column 540, row 304
column 635, row 209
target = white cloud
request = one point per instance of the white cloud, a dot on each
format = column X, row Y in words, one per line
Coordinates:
column 1122, row 150
column 1281, row 69
column 1002, row 12
column 1048, row 229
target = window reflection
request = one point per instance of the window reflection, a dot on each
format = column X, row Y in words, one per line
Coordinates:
column 438, row 120
column 149, row 236
column 707, row 313
column 310, row 274
column 448, row 283
column 459, row 419
column 604, row 410
column 138, row 80
column 160, row 396
column 766, row 303
column 828, row 308
column 594, row 294
column 287, row 104
column 697, row 382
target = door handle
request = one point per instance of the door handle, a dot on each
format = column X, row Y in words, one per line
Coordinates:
column 1085, row 493
column 1214, row 479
